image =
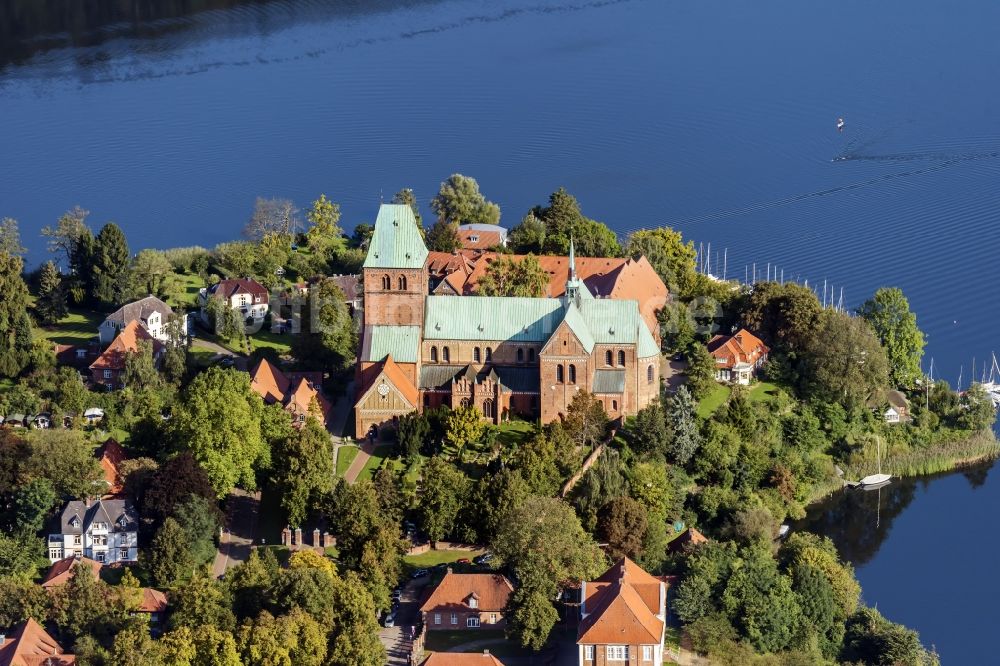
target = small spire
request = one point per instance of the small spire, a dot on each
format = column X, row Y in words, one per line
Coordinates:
column 572, row 260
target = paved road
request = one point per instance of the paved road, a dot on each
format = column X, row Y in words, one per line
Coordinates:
column 239, row 531
column 396, row 640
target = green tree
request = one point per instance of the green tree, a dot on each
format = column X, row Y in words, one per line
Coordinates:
column 648, row 434
column 785, row 316
column 362, row 236
column 140, row 368
column 700, row 371
column 218, row 419
column 888, row 313
column 31, row 504
column 81, row 267
column 111, row 267
column 872, row 639
column 170, row 557
column 20, row 599
column 51, row 305
column 760, row 603
column 622, row 523
column 564, row 222
column 353, row 629
column 236, row 259
column 295, row 639
column 324, row 233
column 671, row 258
column 10, row 237
column 528, row 237
column 303, row 469
column 536, row 461
column 15, row 326
column 443, row 237
column 845, row 361
column 225, row 321
column 66, row 460
column 328, row 334
column 411, row 434
column 586, row 421
column 407, row 197
column 20, row 555
column 172, row 484
column 978, row 412
column 505, row 276
column 81, row 608
column 200, row 519
column 248, row 582
column 459, row 201
column 545, row 546
column 202, row 600
column 153, row 275
column 444, row 492
column 62, row 238
column 464, row 426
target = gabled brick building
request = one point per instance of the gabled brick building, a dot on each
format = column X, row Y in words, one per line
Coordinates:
column 505, row 356
column 467, row 601
column 622, row 618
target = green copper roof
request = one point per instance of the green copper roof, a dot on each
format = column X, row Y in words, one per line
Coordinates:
column 491, row 318
column 611, row 321
column 400, row 341
column 609, row 381
column 579, row 327
column 647, row 345
column 396, row 242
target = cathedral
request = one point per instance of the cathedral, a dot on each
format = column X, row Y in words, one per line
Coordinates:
column 506, row 356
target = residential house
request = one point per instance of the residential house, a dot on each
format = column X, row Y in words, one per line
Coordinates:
column 150, row 312
column 353, row 290
column 77, row 356
column 502, row 355
column 62, row 571
column 111, row 455
column 462, row 659
column 104, row 530
column 482, row 236
column 297, row 392
column 154, row 605
column 248, row 296
column 467, row 601
column 891, row 405
column 30, row 645
column 622, row 618
column 108, row 368
column 737, row 357
column 686, row 540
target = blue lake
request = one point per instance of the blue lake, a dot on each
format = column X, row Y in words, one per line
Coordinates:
column 716, row 117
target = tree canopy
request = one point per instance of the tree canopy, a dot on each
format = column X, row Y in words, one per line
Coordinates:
column 509, row 277
column 888, row 313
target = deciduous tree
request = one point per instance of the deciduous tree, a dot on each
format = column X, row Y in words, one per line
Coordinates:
column 586, row 421
column 564, row 221
column 622, row 524
column 464, row 425
column 328, row 334
column 303, row 469
column 671, row 258
column 170, row 558
column 508, row 277
column 66, row 460
column 459, row 201
column 444, row 491
column 888, row 313
column 272, row 216
column 443, row 237
column 62, row 238
column 407, row 197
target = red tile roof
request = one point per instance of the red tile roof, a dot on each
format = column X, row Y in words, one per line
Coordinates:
column 491, row 590
column 268, row 382
column 231, row 287
column 622, row 607
column 397, row 378
column 689, row 536
column 112, row 455
column 295, row 392
column 127, row 342
column 462, row 659
column 484, row 239
column 743, row 347
column 153, row 601
column 31, row 645
column 61, row 572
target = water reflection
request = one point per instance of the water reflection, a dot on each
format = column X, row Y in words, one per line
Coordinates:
column 859, row 521
column 29, row 28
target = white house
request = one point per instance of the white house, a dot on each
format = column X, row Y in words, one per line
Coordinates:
column 248, row 296
column 151, row 312
column 102, row 530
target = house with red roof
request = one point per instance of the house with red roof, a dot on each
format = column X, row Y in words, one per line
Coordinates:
column 297, row 392
column 107, row 370
column 737, row 357
column 250, row 297
column 62, row 571
column 467, row 601
column 623, row 617
column 30, row 645
column 111, row 455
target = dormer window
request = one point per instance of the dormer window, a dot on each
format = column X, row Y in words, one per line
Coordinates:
column 74, row 521
column 122, row 522
column 472, row 601
column 473, row 239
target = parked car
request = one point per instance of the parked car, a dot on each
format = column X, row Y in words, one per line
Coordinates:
column 419, row 573
column 397, row 594
column 464, row 560
column 390, row 621
column 483, row 559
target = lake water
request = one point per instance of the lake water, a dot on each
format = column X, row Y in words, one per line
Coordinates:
column 716, row 117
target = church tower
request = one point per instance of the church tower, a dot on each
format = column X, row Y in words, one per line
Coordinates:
column 395, row 280
column 573, row 282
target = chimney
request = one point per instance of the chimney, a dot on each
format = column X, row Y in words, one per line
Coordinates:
column 486, row 652
column 448, row 570
column 3, row 637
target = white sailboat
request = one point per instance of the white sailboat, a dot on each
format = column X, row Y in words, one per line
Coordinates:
column 993, row 385
column 873, row 481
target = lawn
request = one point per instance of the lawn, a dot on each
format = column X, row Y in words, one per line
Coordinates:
column 711, row 402
column 514, row 433
column 190, row 285
column 382, row 451
column 345, row 456
column 435, row 557
column 201, row 357
column 267, row 339
column 78, row 327
column 764, row 392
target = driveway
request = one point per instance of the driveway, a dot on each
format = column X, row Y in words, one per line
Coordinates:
column 398, row 639
column 238, row 533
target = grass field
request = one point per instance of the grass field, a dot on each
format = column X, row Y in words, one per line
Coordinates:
column 382, row 451
column 265, row 339
column 514, row 432
column 345, row 456
column 492, row 639
column 78, row 327
column 434, row 557
column 711, row 402
column 764, row 392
